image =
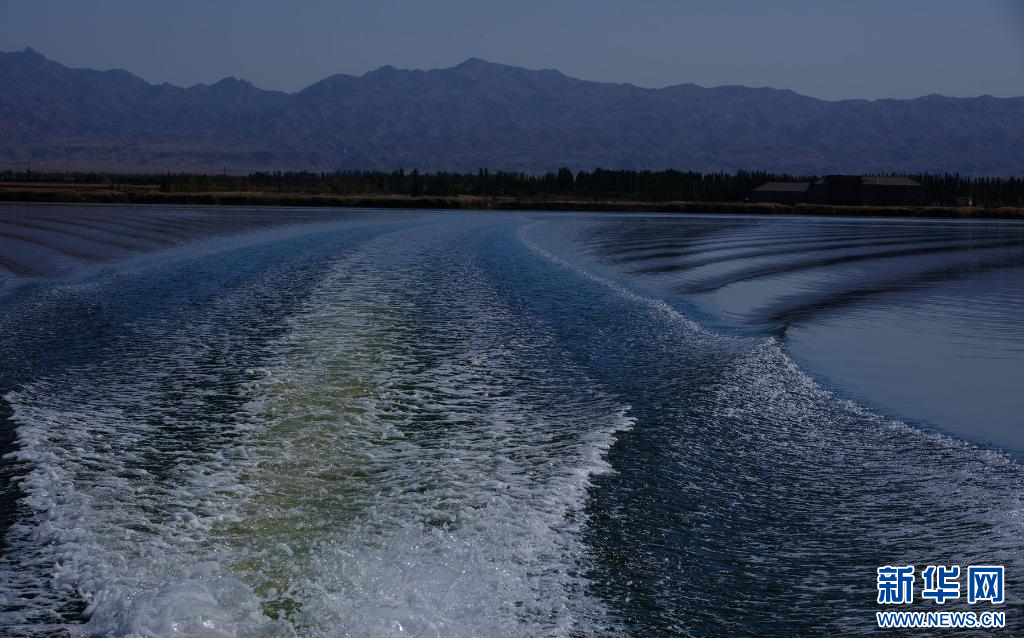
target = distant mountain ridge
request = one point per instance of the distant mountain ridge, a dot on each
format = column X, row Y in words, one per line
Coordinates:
column 481, row 114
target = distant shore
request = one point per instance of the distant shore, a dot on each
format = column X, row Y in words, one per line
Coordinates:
column 135, row 194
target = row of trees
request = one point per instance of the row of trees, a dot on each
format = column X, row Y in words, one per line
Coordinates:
column 600, row 183
column 667, row 185
column 986, row 191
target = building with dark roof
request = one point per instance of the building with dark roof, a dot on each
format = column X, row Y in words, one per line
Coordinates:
column 782, row 192
column 840, row 190
column 890, row 191
column 844, row 190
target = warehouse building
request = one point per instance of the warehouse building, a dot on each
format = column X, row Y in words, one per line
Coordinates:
column 782, row 192
column 844, row 190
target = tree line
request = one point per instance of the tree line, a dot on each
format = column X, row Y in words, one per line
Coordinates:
column 598, row 184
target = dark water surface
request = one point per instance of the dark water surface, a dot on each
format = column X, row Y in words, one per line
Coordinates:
column 920, row 319
column 324, row 423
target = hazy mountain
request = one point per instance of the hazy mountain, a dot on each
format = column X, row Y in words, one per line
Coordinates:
column 479, row 114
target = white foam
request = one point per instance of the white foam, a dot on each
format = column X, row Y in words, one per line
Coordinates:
column 391, row 473
column 464, row 510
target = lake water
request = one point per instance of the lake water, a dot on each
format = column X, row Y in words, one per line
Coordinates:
column 280, row 422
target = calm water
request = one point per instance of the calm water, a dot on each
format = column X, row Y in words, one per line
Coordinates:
column 322, row 423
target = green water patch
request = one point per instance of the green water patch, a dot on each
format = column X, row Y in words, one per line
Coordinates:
column 309, row 482
column 313, row 473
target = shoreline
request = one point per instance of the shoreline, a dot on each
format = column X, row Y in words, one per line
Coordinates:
column 97, row 194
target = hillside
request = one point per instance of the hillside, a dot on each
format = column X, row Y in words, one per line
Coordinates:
column 480, row 114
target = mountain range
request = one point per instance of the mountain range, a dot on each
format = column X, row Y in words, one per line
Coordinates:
column 481, row 114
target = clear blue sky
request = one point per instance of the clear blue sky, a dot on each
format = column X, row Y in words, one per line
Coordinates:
column 825, row 48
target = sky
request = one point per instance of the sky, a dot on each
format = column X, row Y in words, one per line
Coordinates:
column 832, row 49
